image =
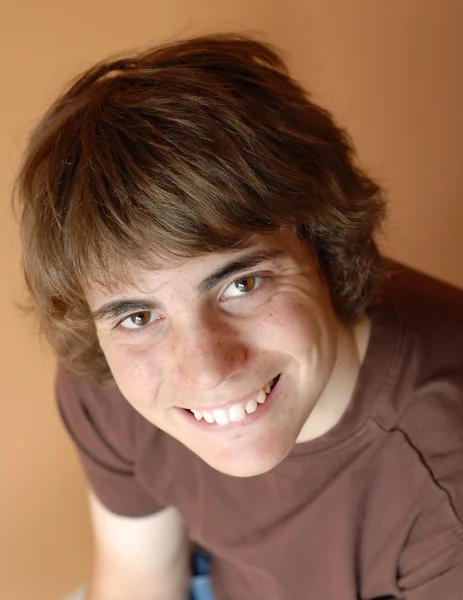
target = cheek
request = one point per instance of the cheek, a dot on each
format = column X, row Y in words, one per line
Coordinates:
column 292, row 325
column 136, row 373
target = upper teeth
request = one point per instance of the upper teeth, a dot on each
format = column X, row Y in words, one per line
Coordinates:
column 234, row 413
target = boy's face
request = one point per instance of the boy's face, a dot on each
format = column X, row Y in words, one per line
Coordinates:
column 212, row 335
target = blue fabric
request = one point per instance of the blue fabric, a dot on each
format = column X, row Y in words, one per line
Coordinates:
column 201, row 582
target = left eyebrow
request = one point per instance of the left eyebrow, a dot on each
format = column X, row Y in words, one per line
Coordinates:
column 249, row 261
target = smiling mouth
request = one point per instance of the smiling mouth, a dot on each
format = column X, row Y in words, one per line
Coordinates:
column 236, row 412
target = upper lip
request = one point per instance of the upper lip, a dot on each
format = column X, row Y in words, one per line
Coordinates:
column 239, row 400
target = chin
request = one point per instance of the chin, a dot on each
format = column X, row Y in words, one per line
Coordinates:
column 248, row 463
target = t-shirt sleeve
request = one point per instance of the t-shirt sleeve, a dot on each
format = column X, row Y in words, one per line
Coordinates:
column 431, row 564
column 103, row 428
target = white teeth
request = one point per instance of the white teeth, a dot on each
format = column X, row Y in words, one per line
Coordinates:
column 236, row 412
column 261, row 396
column 208, row 417
column 251, row 406
column 220, row 416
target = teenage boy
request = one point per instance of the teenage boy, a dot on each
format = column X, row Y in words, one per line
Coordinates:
column 237, row 369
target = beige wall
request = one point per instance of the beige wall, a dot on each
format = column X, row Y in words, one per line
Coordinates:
column 391, row 71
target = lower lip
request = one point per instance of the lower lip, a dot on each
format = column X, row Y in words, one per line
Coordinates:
column 261, row 411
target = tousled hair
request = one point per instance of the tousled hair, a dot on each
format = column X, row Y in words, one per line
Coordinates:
column 189, row 148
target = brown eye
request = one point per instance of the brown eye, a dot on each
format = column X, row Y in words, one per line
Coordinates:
column 246, row 284
column 141, row 318
column 138, row 320
column 243, row 286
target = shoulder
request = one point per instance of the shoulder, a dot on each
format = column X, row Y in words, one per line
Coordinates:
column 423, row 402
column 101, row 420
column 112, row 439
column 428, row 309
column 427, row 317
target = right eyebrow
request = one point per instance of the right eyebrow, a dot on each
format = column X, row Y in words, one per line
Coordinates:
column 116, row 308
column 242, row 263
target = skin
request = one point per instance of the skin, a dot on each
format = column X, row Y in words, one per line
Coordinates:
column 182, row 346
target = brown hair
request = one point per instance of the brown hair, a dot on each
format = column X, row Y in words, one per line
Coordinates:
column 189, row 148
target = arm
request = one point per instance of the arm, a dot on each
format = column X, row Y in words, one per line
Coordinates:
column 146, row 558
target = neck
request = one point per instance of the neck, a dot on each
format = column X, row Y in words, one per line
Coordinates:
column 338, row 393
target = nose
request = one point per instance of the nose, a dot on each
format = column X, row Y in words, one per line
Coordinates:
column 207, row 352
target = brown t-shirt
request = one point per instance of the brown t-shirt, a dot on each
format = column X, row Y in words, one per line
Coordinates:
column 373, row 509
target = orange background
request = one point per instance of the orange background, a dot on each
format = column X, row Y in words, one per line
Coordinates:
column 390, row 71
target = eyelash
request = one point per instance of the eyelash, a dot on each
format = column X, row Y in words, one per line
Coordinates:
column 137, row 330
